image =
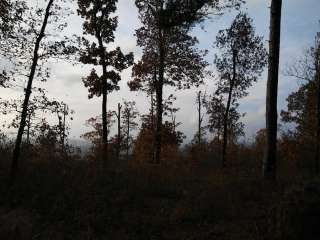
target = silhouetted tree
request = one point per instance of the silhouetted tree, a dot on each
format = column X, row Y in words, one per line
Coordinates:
column 216, row 108
column 119, row 135
column 301, row 112
column 31, row 50
column 169, row 54
column 239, row 64
column 129, row 116
column 269, row 161
column 317, row 78
column 39, row 105
column 171, row 140
column 95, row 136
column 10, row 14
column 47, row 142
column 200, row 101
column 303, row 104
column 100, row 23
column 215, row 111
column 170, row 111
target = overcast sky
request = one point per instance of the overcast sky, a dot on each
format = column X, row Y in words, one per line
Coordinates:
column 299, row 25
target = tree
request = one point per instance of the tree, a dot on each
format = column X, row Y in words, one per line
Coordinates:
column 119, row 137
column 200, row 101
column 95, row 136
column 10, row 14
column 269, row 162
column 239, row 65
column 171, row 142
column 317, row 79
column 100, row 24
column 129, row 116
column 39, row 105
column 31, row 49
column 4, row 11
column 303, row 104
column 170, row 111
column 198, row 147
column 216, row 109
column 301, row 112
column 169, row 54
column 47, row 141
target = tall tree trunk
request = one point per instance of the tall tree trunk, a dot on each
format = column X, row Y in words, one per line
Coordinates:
column 269, row 163
column 128, row 136
column 119, row 132
column 28, row 128
column 159, row 92
column 153, row 128
column 63, row 129
column 174, row 124
column 16, row 151
column 226, row 115
column 199, row 118
column 317, row 77
column 104, row 100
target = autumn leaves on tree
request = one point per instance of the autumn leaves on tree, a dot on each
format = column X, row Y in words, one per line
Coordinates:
column 100, row 24
column 169, row 56
column 240, row 62
column 32, row 52
column 171, row 60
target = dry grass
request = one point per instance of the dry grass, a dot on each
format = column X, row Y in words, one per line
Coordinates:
column 68, row 200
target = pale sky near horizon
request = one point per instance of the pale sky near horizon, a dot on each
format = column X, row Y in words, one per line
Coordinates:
column 300, row 23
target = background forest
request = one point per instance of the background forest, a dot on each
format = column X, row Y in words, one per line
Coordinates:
column 141, row 174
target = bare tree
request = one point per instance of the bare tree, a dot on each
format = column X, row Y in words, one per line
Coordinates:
column 118, row 115
column 200, row 101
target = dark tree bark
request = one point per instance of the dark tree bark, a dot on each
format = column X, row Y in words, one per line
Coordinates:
column 159, row 97
column 28, row 128
column 100, row 23
column 168, row 48
column 129, row 114
column 153, row 127
column 128, row 137
column 199, row 118
column 270, row 158
column 119, row 131
column 240, row 63
column 16, row 151
column 226, row 115
column 104, row 99
column 317, row 77
column 64, row 128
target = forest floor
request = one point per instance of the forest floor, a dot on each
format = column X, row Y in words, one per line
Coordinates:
column 51, row 201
